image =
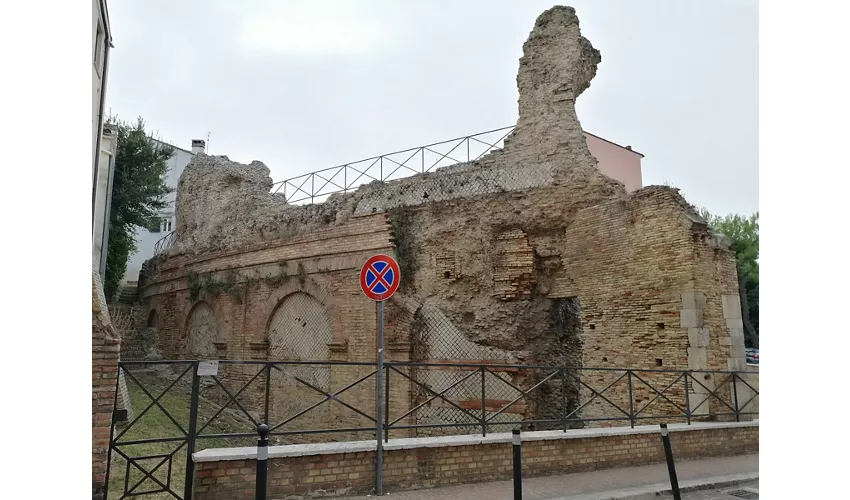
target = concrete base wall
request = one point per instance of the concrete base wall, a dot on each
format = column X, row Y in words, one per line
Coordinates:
column 348, row 468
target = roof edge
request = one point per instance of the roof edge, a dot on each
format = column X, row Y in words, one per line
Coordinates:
column 615, row 144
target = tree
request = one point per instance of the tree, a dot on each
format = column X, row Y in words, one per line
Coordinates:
column 743, row 232
column 138, row 191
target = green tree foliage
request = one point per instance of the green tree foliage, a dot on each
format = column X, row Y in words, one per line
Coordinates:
column 138, row 191
column 743, row 232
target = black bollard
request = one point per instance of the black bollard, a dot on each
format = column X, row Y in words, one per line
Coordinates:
column 262, row 460
column 671, row 467
column 517, row 445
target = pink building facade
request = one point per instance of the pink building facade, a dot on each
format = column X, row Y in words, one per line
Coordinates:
column 620, row 163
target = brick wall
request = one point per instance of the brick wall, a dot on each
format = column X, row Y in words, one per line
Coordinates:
column 634, row 266
column 298, row 299
column 105, row 353
column 629, row 263
column 492, row 250
column 428, row 462
column 324, row 264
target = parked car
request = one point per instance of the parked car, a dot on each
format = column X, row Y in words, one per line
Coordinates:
column 752, row 356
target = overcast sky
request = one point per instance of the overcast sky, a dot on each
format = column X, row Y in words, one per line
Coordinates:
column 304, row 85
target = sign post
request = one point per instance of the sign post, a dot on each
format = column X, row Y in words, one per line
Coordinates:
column 379, row 280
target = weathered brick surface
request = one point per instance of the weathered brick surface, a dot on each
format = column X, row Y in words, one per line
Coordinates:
column 105, row 354
column 562, row 268
column 352, row 473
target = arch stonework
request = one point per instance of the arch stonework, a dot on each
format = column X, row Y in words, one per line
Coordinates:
column 201, row 331
column 153, row 319
column 299, row 329
column 271, row 305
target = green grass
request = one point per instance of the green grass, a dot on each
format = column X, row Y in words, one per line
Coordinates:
column 156, row 424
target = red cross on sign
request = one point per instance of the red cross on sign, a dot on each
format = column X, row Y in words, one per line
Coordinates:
column 379, row 277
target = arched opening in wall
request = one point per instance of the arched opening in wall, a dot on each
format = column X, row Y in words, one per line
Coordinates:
column 201, row 332
column 563, row 395
column 145, row 339
column 153, row 319
column 299, row 330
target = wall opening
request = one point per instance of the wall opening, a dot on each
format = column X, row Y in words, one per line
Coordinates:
column 201, row 332
column 299, row 330
column 153, row 319
column 565, row 350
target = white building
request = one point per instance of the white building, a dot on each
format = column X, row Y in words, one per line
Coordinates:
column 103, row 145
column 146, row 238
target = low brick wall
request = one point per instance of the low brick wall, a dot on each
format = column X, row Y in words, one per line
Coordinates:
column 334, row 469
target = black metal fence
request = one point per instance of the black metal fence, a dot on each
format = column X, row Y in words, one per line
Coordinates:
column 316, row 186
column 165, row 243
column 177, row 411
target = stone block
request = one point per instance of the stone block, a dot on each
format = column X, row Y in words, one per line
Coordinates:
column 734, row 323
column 705, row 385
column 736, row 336
column 746, row 403
column 690, row 318
column 731, row 306
column 698, row 337
column 693, row 300
column 737, row 364
column 737, row 350
column 697, row 358
column 699, row 403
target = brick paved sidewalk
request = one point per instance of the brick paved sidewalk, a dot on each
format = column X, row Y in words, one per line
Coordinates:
column 555, row 487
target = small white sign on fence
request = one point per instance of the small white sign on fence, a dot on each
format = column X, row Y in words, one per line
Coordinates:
column 208, row 368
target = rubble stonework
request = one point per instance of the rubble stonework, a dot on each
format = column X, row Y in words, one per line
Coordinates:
column 528, row 255
column 225, row 204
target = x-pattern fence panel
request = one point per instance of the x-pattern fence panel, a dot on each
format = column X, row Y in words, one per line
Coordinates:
column 178, row 411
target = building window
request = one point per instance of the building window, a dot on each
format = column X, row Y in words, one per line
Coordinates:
column 160, row 224
column 99, row 48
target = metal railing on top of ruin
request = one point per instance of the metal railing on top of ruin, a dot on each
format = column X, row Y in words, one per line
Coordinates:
column 317, row 186
column 165, row 243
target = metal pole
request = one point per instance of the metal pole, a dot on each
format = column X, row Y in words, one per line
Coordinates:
column 517, row 445
column 190, row 439
column 735, row 394
column 483, row 405
column 564, row 396
column 262, row 461
column 111, row 434
column 687, row 400
column 631, row 401
column 379, row 403
column 268, row 386
column 387, row 405
column 671, row 467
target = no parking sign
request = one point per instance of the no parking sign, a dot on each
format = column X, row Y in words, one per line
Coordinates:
column 379, row 277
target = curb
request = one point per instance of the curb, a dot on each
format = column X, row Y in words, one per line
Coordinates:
column 653, row 491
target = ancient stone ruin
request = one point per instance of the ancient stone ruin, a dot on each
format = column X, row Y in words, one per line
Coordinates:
column 528, row 255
